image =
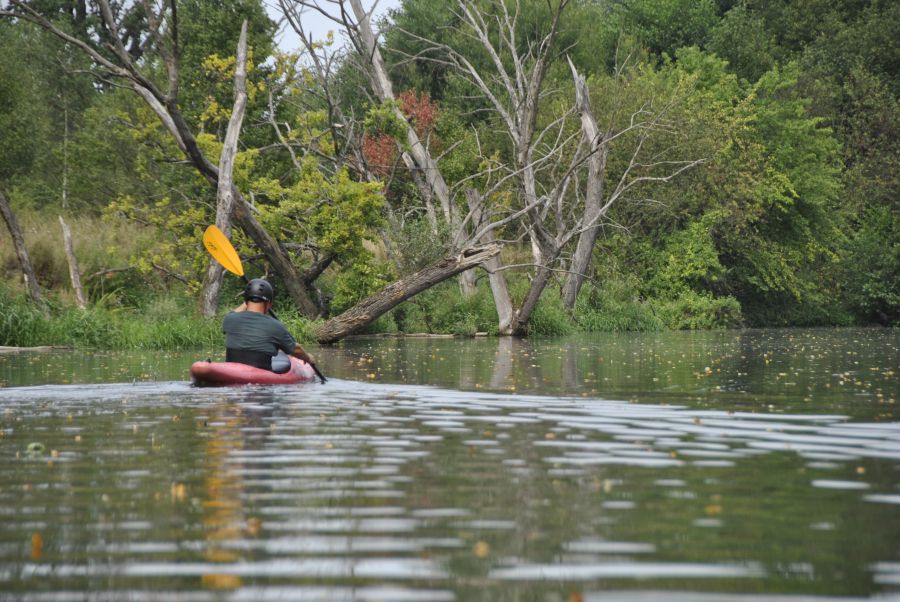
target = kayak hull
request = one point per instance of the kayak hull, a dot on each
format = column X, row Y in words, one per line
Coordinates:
column 218, row 374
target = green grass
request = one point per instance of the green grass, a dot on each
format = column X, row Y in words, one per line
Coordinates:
column 23, row 325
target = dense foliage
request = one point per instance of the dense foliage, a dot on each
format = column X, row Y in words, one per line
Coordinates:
column 790, row 216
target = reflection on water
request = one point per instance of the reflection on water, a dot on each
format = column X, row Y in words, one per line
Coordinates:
column 801, row 369
column 360, row 491
column 732, row 466
column 848, row 371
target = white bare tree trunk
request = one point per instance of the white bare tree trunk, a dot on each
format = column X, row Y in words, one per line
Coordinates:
column 502, row 301
column 74, row 272
column 212, row 284
column 593, row 198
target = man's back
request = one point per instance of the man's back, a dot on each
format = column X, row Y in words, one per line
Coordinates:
column 250, row 331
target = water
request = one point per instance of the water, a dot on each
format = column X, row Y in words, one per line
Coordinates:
column 731, row 466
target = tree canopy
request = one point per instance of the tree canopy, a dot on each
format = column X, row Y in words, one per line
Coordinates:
column 706, row 164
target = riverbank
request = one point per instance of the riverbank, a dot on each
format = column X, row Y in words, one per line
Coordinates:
column 39, row 348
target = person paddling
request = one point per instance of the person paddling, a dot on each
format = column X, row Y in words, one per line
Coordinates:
column 254, row 337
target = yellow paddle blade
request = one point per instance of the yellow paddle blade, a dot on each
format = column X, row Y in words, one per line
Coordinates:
column 220, row 248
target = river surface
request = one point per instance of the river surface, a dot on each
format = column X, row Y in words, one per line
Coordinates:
column 733, row 466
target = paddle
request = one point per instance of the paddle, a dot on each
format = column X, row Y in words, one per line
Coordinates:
column 222, row 251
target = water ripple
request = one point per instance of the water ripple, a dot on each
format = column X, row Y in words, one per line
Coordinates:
column 370, row 492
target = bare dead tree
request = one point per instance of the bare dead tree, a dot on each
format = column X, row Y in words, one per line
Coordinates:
column 560, row 170
column 596, row 201
column 31, row 283
column 209, row 294
column 512, row 84
column 72, row 261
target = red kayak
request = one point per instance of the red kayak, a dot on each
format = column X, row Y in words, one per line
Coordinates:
column 214, row 374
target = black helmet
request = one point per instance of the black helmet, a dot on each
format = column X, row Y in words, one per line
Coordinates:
column 259, row 290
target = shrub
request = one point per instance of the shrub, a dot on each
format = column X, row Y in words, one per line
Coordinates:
column 411, row 317
column 615, row 307
column 618, row 316
column 693, row 310
column 360, row 281
column 443, row 309
column 92, row 327
column 465, row 315
column 383, row 325
column 550, row 318
column 21, row 324
column 416, row 244
column 871, row 268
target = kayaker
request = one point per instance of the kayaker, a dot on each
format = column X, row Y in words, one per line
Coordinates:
column 254, row 337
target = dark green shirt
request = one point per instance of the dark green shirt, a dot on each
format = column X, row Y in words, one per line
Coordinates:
column 253, row 331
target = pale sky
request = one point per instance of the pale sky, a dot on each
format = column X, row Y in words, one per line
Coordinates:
column 318, row 24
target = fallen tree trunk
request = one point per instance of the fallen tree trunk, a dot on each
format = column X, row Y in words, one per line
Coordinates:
column 368, row 310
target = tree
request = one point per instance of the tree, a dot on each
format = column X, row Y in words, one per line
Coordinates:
column 560, row 172
column 12, row 225
column 45, row 104
column 664, row 26
column 107, row 51
column 209, row 295
column 648, row 122
column 743, row 39
column 18, row 119
column 758, row 223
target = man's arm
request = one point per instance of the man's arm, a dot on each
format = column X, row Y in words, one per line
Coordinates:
column 300, row 352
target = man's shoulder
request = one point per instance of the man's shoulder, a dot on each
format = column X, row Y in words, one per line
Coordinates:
column 265, row 320
column 248, row 316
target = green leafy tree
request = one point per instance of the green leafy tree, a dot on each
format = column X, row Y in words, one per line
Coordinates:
column 758, row 222
column 44, row 114
column 208, row 32
column 664, row 26
column 20, row 119
column 744, row 40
